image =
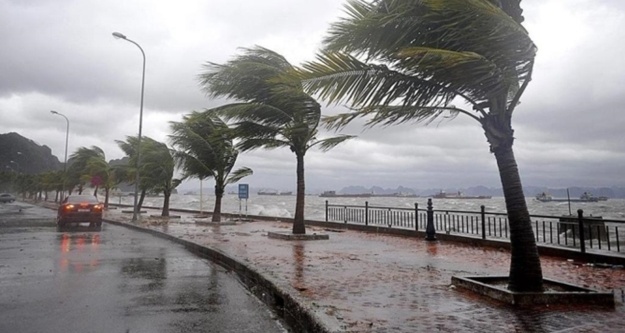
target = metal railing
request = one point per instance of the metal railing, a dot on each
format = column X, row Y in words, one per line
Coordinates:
column 578, row 232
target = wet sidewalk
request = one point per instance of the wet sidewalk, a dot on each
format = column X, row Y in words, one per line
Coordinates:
column 365, row 282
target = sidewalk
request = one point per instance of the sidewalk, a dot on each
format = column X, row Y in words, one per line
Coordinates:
column 362, row 282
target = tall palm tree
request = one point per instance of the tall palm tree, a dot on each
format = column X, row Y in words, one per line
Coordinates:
column 271, row 110
column 420, row 56
column 205, row 149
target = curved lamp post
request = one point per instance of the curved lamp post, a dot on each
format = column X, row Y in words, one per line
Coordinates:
column 138, row 161
column 66, row 141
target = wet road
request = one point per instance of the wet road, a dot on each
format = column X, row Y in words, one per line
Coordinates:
column 115, row 280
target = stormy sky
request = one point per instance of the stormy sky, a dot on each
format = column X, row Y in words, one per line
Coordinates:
column 60, row 55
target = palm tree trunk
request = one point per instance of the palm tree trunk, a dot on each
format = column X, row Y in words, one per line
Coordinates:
column 166, row 195
column 299, row 228
column 141, row 197
column 107, row 191
column 219, row 193
column 525, row 271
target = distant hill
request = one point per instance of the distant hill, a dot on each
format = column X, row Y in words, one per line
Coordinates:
column 530, row 191
column 23, row 155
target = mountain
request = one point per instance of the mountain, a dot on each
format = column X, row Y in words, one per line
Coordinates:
column 23, row 155
column 530, row 191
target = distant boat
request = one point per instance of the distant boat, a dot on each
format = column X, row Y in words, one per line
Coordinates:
column 459, row 195
column 274, row 193
column 267, row 192
column 333, row 194
column 586, row 197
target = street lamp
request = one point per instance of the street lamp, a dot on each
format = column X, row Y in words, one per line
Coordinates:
column 138, row 161
column 66, row 141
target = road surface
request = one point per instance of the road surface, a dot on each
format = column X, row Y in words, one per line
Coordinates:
column 114, row 280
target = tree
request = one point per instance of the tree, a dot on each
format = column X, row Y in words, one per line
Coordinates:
column 156, row 170
column 420, row 57
column 205, row 149
column 82, row 171
column 271, row 111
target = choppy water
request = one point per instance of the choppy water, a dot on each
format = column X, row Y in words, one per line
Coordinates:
column 284, row 206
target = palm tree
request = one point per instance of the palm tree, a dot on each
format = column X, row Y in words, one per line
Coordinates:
column 271, row 111
column 82, row 169
column 420, row 57
column 205, row 149
column 156, row 168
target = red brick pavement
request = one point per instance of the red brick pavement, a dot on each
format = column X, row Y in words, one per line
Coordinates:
column 363, row 282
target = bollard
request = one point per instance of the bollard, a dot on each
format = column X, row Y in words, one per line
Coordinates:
column 416, row 216
column 580, row 223
column 326, row 210
column 430, row 232
column 483, row 214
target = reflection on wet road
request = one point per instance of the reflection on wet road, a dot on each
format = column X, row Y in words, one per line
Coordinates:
column 116, row 280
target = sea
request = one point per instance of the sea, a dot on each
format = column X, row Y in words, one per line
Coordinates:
column 284, row 205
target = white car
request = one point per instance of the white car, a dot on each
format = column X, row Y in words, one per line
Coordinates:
column 6, row 197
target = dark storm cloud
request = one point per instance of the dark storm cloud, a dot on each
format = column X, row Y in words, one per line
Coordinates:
column 60, row 55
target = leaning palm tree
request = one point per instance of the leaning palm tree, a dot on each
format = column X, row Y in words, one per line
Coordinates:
column 420, row 56
column 157, row 170
column 205, row 149
column 146, row 181
column 78, row 171
column 270, row 111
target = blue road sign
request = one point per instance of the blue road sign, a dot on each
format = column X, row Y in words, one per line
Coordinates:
column 244, row 191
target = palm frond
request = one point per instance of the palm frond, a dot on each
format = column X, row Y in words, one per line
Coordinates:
column 238, row 174
column 342, row 77
column 388, row 115
column 329, row 143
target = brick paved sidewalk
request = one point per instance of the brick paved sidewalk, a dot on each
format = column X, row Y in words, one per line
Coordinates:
column 363, row 282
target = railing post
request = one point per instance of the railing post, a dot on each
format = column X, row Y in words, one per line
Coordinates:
column 366, row 213
column 327, row 210
column 580, row 222
column 416, row 216
column 430, row 232
column 483, row 215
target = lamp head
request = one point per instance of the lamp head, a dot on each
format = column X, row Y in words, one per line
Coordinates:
column 119, row 35
column 53, row 112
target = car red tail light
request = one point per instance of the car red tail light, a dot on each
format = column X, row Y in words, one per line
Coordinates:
column 68, row 207
column 98, row 208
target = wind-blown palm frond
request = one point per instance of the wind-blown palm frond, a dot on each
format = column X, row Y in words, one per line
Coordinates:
column 342, row 77
column 329, row 143
column 423, row 53
column 238, row 174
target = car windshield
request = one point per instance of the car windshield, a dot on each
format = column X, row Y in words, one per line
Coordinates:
column 82, row 198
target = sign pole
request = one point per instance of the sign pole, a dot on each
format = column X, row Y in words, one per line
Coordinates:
column 244, row 193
